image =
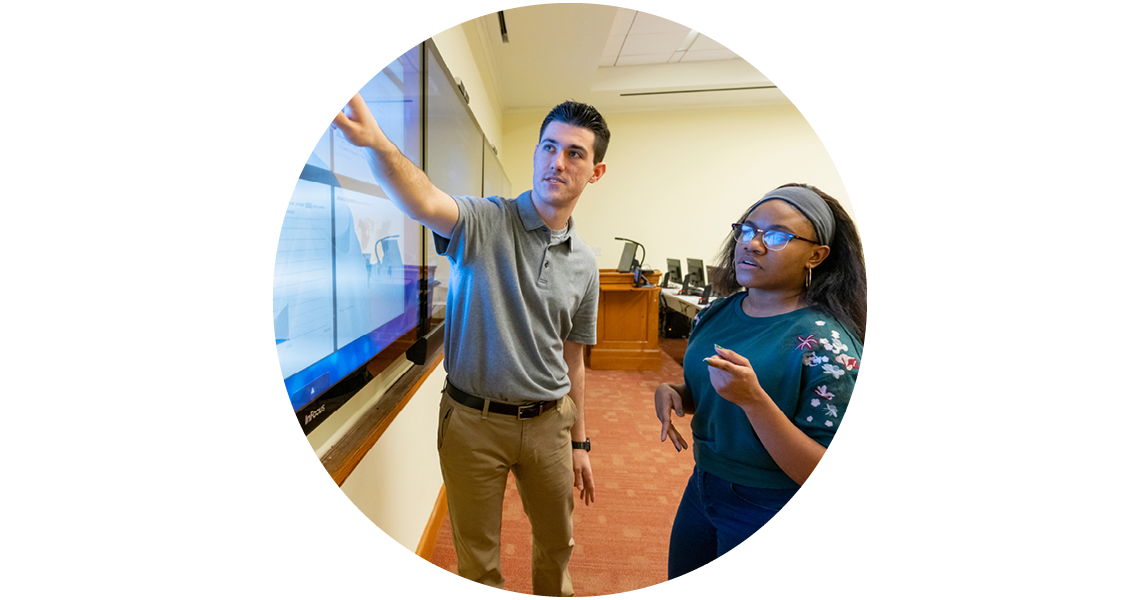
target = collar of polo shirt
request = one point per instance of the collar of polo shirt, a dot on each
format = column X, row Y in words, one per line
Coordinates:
column 532, row 220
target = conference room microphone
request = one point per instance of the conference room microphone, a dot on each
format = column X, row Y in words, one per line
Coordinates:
column 639, row 280
column 636, row 263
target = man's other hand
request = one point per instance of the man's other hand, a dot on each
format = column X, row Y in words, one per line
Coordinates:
column 583, row 476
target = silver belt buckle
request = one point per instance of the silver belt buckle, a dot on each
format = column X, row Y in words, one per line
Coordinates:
column 529, row 411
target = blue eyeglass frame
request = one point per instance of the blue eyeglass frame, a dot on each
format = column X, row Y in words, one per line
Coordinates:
column 738, row 234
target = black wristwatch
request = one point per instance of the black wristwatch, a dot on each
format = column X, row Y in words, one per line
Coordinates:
column 581, row 445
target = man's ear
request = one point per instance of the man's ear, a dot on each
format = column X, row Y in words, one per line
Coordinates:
column 599, row 170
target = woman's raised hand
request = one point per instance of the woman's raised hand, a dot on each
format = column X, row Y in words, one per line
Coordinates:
column 733, row 378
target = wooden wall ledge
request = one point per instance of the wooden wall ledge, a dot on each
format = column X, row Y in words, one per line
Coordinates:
column 347, row 453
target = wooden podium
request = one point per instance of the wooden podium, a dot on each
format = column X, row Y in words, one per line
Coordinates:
column 627, row 324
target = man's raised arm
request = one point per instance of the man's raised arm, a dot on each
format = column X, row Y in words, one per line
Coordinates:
column 404, row 183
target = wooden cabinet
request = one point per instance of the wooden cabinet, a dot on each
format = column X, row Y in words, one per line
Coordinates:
column 627, row 324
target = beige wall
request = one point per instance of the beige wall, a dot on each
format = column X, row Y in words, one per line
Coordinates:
column 397, row 482
column 677, row 179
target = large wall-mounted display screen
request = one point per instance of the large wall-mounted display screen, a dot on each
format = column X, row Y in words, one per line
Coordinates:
column 353, row 274
column 454, row 158
column 346, row 280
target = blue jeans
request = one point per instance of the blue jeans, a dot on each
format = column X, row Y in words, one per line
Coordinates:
column 715, row 516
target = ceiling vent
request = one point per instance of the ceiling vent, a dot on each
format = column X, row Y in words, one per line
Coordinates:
column 734, row 89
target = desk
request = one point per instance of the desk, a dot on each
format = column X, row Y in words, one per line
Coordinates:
column 686, row 305
column 627, row 324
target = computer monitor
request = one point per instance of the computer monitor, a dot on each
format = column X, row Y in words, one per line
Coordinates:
column 673, row 270
column 625, row 265
column 696, row 272
column 714, row 275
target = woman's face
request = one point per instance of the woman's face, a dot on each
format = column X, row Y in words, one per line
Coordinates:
column 757, row 267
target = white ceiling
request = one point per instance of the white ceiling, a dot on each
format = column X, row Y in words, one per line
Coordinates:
column 614, row 58
column 639, row 38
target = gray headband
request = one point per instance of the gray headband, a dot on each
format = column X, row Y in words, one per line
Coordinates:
column 810, row 204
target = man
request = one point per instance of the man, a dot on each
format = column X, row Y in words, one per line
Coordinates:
column 522, row 304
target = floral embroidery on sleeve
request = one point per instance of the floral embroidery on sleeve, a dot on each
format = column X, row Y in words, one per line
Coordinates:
column 834, row 371
column 834, row 345
column 822, row 400
column 829, row 409
column 806, row 343
column 811, row 360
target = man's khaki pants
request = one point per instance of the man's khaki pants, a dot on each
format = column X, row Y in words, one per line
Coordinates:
column 476, row 450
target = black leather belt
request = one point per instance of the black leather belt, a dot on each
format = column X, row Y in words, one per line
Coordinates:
column 522, row 411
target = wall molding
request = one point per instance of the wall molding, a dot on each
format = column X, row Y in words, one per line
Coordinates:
column 426, row 546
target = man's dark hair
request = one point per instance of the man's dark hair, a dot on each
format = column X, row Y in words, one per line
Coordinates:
column 581, row 115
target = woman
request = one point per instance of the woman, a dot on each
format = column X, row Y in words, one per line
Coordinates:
column 782, row 358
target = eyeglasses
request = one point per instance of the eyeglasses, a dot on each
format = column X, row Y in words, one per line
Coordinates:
column 773, row 240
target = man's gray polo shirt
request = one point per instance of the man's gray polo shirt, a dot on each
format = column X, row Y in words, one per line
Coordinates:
column 512, row 299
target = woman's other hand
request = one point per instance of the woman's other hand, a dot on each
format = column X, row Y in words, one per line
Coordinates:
column 667, row 401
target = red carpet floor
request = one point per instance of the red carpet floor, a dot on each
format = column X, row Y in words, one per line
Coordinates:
column 622, row 539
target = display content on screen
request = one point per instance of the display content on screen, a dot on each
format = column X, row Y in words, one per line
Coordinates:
column 342, row 290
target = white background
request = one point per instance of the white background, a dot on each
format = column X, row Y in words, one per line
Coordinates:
column 150, row 149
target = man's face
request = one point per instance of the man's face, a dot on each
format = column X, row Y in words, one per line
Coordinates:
column 564, row 164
